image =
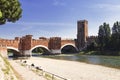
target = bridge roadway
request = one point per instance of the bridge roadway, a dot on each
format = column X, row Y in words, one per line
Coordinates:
column 23, row 46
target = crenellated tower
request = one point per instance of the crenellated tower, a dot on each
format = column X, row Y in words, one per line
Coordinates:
column 82, row 34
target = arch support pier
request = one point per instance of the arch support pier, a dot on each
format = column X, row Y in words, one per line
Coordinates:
column 26, row 53
column 56, row 51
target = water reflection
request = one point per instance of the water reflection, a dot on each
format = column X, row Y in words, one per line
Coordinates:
column 93, row 59
column 110, row 61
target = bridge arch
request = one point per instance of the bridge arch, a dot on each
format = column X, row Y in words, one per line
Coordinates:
column 8, row 47
column 14, row 52
column 39, row 46
column 69, row 44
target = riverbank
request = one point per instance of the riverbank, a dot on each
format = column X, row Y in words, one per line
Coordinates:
column 6, row 71
column 75, row 70
column 26, row 73
column 107, row 53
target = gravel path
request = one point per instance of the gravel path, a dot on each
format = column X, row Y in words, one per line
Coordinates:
column 76, row 70
column 26, row 73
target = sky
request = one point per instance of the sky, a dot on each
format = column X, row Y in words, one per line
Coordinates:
column 51, row 18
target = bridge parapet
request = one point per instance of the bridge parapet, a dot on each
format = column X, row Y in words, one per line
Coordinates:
column 63, row 42
column 40, row 42
column 6, row 42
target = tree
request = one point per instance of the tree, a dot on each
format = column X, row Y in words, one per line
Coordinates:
column 116, row 28
column 115, row 39
column 10, row 11
column 101, row 37
column 104, row 35
column 0, row 14
column 91, row 46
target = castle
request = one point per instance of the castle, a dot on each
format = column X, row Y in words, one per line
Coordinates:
column 23, row 46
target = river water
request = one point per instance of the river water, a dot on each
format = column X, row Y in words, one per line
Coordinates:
column 109, row 61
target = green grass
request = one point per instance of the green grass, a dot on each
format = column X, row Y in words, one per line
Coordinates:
column 108, row 53
column 8, row 68
column 48, row 76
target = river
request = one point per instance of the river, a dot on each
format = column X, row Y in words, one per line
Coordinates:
column 109, row 61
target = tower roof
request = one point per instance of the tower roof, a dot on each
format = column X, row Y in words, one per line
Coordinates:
column 82, row 21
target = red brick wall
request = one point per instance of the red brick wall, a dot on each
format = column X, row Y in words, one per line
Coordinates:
column 63, row 42
column 10, row 43
column 55, row 43
column 39, row 42
column 26, row 42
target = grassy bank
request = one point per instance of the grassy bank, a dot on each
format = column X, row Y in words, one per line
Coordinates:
column 107, row 53
column 8, row 70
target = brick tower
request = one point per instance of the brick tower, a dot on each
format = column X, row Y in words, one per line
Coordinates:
column 55, row 45
column 25, row 45
column 82, row 33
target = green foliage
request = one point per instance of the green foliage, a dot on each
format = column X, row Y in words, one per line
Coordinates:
column 92, row 46
column 115, row 38
column 104, row 35
column 107, row 44
column 0, row 14
column 10, row 11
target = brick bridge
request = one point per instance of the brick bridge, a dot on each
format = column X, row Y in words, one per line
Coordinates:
column 25, row 45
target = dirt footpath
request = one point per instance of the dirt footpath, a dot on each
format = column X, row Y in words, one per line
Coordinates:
column 25, row 73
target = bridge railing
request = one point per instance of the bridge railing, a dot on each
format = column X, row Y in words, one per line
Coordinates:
column 41, row 72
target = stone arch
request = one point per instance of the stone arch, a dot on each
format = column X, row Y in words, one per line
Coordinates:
column 15, row 51
column 69, row 47
column 39, row 46
column 13, row 48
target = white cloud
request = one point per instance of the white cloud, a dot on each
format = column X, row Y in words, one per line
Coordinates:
column 45, row 24
column 58, row 3
column 110, row 7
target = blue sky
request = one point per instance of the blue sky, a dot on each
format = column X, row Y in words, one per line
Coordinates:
column 51, row 18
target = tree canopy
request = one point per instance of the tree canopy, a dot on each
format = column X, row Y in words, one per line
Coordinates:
column 104, row 35
column 107, row 41
column 10, row 11
column 115, row 39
